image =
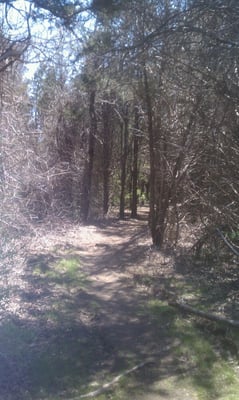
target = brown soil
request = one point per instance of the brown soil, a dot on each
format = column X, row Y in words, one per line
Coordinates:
column 107, row 311
column 112, row 256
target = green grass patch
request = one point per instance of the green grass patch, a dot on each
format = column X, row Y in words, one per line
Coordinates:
column 63, row 366
column 160, row 309
column 161, row 314
column 200, row 358
column 60, row 360
column 211, row 376
column 66, row 271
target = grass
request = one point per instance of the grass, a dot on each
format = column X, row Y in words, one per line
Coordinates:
column 14, row 339
column 60, row 360
column 51, row 352
column 201, row 371
column 66, row 271
column 202, row 366
column 63, row 366
column 58, row 357
column 205, row 369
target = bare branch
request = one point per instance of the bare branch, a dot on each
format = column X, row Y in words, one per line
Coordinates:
column 226, row 241
column 212, row 317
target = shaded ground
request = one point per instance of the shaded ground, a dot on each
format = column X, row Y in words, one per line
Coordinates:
column 88, row 303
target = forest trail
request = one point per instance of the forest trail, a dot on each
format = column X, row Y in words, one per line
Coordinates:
column 114, row 256
column 80, row 311
column 75, row 301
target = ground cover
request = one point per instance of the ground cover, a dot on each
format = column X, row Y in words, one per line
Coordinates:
column 88, row 303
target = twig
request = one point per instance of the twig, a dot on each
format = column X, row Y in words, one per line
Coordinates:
column 226, row 241
column 108, row 385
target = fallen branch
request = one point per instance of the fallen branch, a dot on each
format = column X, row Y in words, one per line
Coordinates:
column 108, row 385
column 211, row 317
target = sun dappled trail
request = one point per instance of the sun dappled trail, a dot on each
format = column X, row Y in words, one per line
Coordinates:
column 81, row 312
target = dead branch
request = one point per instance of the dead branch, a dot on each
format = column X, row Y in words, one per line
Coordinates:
column 108, row 385
column 195, row 311
column 226, row 241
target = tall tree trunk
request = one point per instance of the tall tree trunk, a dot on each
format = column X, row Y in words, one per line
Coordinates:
column 87, row 180
column 135, row 171
column 107, row 148
column 149, row 111
column 159, row 188
column 124, row 156
column 65, row 147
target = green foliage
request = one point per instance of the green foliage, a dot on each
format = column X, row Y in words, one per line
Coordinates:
column 66, row 10
column 109, row 7
column 233, row 234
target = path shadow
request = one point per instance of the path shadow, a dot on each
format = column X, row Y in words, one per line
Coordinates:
column 83, row 321
column 72, row 329
column 70, row 337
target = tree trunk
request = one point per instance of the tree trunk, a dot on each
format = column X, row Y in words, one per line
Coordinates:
column 65, row 147
column 107, row 148
column 152, row 206
column 159, row 186
column 135, row 171
column 124, row 156
column 87, row 180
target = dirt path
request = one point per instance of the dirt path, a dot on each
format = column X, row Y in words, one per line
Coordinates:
column 111, row 256
column 79, row 316
column 126, row 332
column 81, row 305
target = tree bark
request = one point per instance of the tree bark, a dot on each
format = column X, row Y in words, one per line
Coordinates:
column 135, row 171
column 156, row 213
column 87, row 180
column 124, row 156
column 107, row 148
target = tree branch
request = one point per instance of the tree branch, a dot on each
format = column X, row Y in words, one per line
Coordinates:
column 226, row 241
column 212, row 317
column 108, row 385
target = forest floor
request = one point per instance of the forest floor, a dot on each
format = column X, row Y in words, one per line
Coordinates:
column 85, row 304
